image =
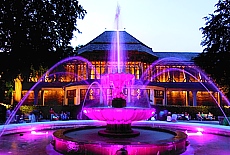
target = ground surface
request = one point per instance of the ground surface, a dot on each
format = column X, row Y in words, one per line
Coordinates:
column 31, row 144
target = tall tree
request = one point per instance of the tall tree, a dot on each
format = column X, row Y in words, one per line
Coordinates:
column 215, row 58
column 32, row 30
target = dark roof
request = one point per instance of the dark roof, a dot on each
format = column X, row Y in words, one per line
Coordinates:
column 184, row 56
column 104, row 41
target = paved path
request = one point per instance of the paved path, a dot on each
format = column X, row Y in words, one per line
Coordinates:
column 211, row 127
column 207, row 144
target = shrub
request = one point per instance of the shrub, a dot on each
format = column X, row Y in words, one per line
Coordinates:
column 27, row 109
column 225, row 122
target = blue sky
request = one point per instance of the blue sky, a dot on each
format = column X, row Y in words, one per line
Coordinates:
column 163, row 25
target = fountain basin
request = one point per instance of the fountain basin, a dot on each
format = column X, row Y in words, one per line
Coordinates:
column 85, row 140
column 119, row 119
column 124, row 115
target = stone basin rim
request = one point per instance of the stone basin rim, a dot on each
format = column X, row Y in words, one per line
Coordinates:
column 178, row 136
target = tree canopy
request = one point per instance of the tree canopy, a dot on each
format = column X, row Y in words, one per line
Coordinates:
column 36, row 32
column 216, row 42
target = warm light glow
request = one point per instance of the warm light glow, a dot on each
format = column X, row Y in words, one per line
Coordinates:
column 33, row 128
column 200, row 129
column 18, row 88
column 92, row 73
column 85, row 111
column 91, row 94
column 198, row 133
column 39, row 133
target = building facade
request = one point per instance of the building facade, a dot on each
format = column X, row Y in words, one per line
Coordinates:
column 168, row 78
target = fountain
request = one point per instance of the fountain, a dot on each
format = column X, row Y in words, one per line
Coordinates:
column 118, row 136
column 119, row 129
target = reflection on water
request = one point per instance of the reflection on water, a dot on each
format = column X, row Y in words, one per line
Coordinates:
column 28, row 144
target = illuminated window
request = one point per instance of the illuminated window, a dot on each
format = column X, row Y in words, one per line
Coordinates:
column 70, row 69
column 98, row 72
column 158, row 93
column 137, row 72
column 71, row 93
column 92, row 73
column 91, row 94
column 82, row 73
column 102, row 69
column 132, row 69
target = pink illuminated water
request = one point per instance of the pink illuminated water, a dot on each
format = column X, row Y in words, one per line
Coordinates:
column 119, row 115
column 126, row 115
column 69, row 74
column 118, row 53
column 178, row 69
column 12, row 115
column 211, row 144
column 117, row 81
column 116, row 56
column 101, row 100
column 197, row 69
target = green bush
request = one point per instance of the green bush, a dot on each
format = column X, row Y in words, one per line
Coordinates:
column 27, row 109
column 225, row 122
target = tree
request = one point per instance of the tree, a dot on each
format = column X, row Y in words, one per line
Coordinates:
column 31, row 31
column 77, row 48
column 66, row 52
column 216, row 42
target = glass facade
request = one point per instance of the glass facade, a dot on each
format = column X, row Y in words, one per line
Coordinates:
column 79, row 71
column 177, row 73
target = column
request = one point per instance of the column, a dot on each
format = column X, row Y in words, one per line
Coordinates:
column 12, row 99
column 65, row 97
column 101, row 97
column 36, row 91
column 152, row 98
column 187, row 101
column 219, row 98
column 165, row 97
column 42, row 97
column 129, row 95
column 194, row 98
column 77, row 97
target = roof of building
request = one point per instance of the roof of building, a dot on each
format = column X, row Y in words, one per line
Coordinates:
column 104, row 40
column 184, row 56
column 176, row 58
column 130, row 43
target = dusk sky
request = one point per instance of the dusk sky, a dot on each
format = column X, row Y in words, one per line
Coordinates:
column 163, row 25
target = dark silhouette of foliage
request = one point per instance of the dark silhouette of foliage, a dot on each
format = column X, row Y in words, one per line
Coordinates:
column 36, row 32
column 215, row 58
